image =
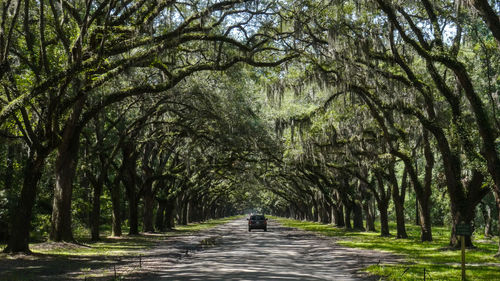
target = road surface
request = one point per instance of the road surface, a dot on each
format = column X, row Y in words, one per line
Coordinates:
column 278, row 254
column 226, row 252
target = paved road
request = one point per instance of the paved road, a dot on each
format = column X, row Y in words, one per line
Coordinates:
column 233, row 253
column 278, row 254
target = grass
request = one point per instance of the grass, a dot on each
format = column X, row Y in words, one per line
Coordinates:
column 117, row 246
column 439, row 262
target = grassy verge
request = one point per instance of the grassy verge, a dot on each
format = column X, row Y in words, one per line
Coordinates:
column 439, row 262
column 117, row 246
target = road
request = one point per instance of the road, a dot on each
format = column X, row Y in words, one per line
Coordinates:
column 278, row 254
column 226, row 252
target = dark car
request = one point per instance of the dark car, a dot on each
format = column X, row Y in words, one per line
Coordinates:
column 257, row 222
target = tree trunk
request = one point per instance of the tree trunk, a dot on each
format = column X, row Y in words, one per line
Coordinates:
column 148, row 198
column 65, row 169
column 160, row 215
column 454, row 238
column 486, row 210
column 192, row 211
column 496, row 193
column 325, row 218
column 130, row 181
column 169, row 215
column 417, row 214
column 315, row 211
column 384, row 219
column 358, row 216
column 400, row 216
column 334, row 215
column 21, row 219
column 460, row 215
column 133, row 219
column 425, row 219
column 369, row 216
column 8, row 181
column 96, row 210
column 398, row 198
column 424, row 196
column 463, row 209
column 347, row 216
column 340, row 220
column 382, row 197
column 185, row 211
column 116, row 226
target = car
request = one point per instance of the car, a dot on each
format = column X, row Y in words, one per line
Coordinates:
column 257, row 222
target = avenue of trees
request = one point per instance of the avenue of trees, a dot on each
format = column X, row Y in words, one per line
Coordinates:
column 147, row 114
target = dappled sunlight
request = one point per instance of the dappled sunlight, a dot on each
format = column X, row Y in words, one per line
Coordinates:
column 435, row 258
column 278, row 254
column 99, row 260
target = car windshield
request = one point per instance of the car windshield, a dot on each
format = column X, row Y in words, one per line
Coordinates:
column 257, row 218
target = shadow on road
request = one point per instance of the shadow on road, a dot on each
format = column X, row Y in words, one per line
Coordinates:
column 280, row 253
column 228, row 252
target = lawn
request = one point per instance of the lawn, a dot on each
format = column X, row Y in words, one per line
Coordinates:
column 438, row 261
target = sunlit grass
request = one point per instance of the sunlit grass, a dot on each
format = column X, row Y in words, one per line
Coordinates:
column 439, row 262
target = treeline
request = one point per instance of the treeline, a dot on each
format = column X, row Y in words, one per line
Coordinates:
column 405, row 100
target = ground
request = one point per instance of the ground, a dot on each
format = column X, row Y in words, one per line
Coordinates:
column 226, row 252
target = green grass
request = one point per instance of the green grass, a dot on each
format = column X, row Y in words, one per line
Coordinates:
column 121, row 246
column 439, row 262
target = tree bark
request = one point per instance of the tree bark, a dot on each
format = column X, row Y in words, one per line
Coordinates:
column 129, row 179
column 464, row 211
column 21, row 219
column 185, row 211
column 486, row 210
column 369, row 216
column 382, row 197
column 417, row 214
column 96, row 210
column 116, row 226
column 425, row 220
column 358, row 216
column 496, row 193
column 8, row 181
column 325, row 217
column 384, row 219
column 347, row 216
column 148, row 198
column 160, row 215
column 133, row 220
column 315, row 211
column 398, row 199
column 65, row 170
column 339, row 211
column 334, row 215
column 170, row 215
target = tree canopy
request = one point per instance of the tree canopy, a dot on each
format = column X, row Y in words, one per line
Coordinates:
column 332, row 111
